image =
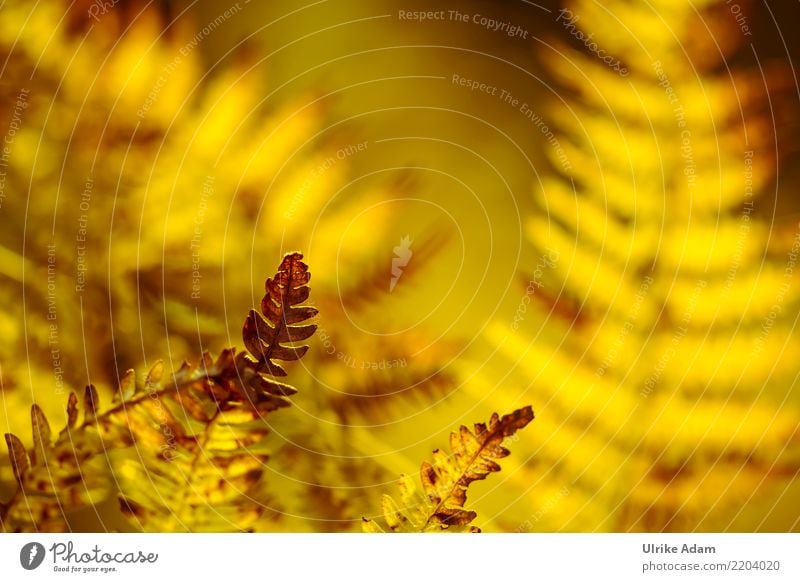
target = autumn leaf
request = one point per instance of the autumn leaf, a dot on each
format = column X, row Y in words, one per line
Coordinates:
column 182, row 452
column 445, row 481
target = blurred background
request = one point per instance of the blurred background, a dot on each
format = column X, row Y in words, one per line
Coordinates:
column 587, row 207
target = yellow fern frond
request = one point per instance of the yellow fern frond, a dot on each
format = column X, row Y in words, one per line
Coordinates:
column 445, row 482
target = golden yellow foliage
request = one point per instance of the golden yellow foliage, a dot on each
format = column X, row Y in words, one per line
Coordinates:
column 152, row 172
column 675, row 362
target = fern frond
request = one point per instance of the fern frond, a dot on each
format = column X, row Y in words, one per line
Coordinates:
column 266, row 335
column 376, row 398
column 56, row 478
column 372, row 285
column 446, row 481
column 185, row 451
column 674, row 304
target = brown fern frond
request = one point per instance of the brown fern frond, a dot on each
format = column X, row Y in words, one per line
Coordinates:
column 186, row 451
column 55, row 478
column 265, row 336
column 445, row 482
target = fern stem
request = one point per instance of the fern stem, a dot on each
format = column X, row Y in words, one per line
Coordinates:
column 133, row 401
column 200, row 449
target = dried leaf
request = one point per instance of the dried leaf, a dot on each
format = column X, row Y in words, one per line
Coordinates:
column 264, row 333
column 40, row 429
column 91, row 402
column 72, row 410
column 198, row 435
column 18, row 456
column 445, row 482
column 127, row 385
column 154, row 375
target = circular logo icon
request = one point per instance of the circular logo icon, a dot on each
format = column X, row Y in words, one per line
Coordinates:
column 31, row 555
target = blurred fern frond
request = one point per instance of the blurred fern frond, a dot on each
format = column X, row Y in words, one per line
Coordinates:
column 445, row 482
column 370, row 288
column 661, row 226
